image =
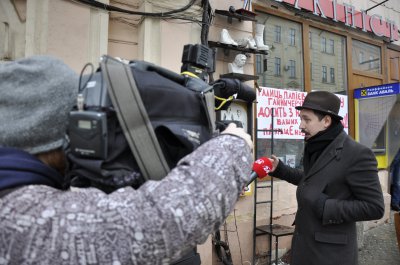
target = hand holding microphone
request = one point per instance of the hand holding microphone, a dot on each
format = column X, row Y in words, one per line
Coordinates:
column 275, row 162
column 261, row 168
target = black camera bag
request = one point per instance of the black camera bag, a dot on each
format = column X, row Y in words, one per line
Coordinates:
column 178, row 116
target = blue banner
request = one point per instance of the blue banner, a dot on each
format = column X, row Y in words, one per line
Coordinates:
column 377, row 91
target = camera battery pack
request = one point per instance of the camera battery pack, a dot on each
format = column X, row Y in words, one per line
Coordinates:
column 88, row 134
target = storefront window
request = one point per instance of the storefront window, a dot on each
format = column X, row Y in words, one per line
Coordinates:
column 285, row 71
column 368, row 59
column 373, row 114
column 328, row 63
column 285, row 58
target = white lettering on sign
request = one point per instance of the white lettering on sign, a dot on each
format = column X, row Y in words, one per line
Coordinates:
column 347, row 14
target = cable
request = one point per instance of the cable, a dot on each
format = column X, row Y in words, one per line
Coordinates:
column 368, row 9
column 184, row 18
column 165, row 15
column 222, row 249
column 206, row 20
column 80, row 88
column 110, row 8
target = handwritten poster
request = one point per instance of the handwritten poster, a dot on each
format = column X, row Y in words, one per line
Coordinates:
column 286, row 118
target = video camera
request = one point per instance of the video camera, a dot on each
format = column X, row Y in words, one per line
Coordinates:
column 180, row 111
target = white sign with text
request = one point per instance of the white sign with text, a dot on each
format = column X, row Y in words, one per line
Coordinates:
column 286, row 118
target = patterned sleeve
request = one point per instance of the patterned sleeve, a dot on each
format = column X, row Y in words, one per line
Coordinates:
column 154, row 224
column 196, row 197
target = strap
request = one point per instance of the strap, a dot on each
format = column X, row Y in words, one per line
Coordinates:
column 209, row 99
column 133, row 118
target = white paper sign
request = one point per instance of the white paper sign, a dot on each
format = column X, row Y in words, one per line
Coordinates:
column 286, row 117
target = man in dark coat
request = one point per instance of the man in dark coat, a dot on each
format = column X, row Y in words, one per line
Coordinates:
column 338, row 187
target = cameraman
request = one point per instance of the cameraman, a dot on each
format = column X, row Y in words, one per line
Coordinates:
column 43, row 222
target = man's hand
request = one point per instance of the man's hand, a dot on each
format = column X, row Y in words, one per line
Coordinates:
column 275, row 162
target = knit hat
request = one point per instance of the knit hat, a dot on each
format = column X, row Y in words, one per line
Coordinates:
column 36, row 95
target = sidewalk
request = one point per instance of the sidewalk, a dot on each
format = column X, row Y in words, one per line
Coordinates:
column 380, row 246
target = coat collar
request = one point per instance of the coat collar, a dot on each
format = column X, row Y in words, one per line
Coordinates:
column 332, row 151
column 19, row 168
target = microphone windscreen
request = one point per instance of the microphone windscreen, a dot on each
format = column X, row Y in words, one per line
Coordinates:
column 262, row 166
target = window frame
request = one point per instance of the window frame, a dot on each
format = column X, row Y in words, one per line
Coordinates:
column 349, row 36
column 277, row 66
column 331, row 46
column 292, row 68
column 332, row 75
column 292, row 37
column 324, row 74
column 278, row 34
column 323, row 44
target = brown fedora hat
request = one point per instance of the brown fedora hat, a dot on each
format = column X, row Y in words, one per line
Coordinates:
column 322, row 101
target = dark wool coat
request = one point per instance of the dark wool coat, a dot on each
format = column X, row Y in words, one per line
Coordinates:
column 345, row 174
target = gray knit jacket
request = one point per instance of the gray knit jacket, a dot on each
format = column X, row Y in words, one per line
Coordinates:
column 154, row 224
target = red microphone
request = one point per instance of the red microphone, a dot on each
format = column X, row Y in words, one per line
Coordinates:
column 261, row 168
